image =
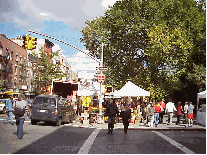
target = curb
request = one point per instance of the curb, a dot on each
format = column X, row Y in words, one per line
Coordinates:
column 173, row 128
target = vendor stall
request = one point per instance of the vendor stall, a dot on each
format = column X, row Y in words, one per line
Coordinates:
column 132, row 90
column 201, row 108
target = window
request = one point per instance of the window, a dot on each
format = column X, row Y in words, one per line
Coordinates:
column 1, row 49
column 16, row 57
column 16, row 69
column 41, row 100
column 12, row 55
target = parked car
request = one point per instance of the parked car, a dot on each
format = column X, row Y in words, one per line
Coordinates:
column 49, row 108
column 2, row 105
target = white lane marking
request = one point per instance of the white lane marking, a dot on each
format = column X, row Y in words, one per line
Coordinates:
column 176, row 144
column 87, row 145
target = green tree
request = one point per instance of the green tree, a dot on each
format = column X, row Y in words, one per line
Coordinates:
column 158, row 45
column 44, row 70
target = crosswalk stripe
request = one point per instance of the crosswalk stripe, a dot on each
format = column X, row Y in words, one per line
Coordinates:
column 178, row 145
column 87, row 145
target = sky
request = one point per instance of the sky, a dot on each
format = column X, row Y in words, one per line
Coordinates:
column 62, row 19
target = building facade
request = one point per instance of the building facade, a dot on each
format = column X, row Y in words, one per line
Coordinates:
column 13, row 65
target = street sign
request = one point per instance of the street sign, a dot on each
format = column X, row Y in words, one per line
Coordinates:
column 104, row 68
column 101, row 78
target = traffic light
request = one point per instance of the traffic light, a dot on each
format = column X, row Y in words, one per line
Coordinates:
column 25, row 42
column 33, row 43
column 29, row 42
column 109, row 89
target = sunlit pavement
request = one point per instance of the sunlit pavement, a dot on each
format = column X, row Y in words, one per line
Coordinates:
column 143, row 126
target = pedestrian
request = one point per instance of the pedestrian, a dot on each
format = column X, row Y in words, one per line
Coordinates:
column 146, row 112
column 186, row 113
column 150, row 114
column 126, row 116
column 162, row 104
column 111, row 112
column 170, row 108
column 157, row 108
column 9, row 108
column 144, row 104
column 190, row 114
column 19, row 111
column 179, row 112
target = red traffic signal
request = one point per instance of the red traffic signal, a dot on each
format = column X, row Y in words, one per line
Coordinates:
column 101, row 78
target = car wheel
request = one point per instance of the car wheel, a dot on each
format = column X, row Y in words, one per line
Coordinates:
column 59, row 121
column 34, row 122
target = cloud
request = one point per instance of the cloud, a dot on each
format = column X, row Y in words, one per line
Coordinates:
column 31, row 14
column 83, row 65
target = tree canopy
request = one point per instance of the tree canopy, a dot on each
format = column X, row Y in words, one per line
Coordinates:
column 44, row 70
column 158, row 45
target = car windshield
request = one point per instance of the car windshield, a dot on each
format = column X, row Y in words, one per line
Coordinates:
column 41, row 100
column 2, row 101
column 29, row 101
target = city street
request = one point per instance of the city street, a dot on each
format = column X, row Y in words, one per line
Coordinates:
column 46, row 139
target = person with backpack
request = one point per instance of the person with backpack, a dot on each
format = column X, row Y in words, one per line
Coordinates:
column 150, row 114
column 19, row 111
column 9, row 109
column 111, row 112
column 126, row 116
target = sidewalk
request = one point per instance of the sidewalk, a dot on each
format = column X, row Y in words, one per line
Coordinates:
column 142, row 126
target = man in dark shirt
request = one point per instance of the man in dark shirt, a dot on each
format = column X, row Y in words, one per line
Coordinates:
column 111, row 112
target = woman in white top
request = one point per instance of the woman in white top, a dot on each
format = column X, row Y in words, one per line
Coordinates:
column 186, row 113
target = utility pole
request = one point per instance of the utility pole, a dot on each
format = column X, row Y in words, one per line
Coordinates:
column 100, row 118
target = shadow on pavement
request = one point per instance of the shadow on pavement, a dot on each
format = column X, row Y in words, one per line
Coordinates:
column 24, row 133
column 65, row 140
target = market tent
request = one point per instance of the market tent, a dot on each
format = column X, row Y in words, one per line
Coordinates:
column 202, row 94
column 201, row 113
column 130, row 89
column 84, row 92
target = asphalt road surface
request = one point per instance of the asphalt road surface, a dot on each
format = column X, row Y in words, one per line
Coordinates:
column 66, row 139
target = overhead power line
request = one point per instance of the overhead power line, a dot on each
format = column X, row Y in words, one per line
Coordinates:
column 64, row 43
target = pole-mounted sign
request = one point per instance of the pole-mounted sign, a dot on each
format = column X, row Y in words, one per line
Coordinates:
column 101, row 78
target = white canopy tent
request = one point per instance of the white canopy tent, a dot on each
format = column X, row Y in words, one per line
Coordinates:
column 202, row 94
column 201, row 113
column 84, row 92
column 130, row 89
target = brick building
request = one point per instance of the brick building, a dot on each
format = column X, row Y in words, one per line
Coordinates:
column 13, row 64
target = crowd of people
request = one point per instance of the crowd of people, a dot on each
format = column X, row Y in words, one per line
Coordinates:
column 152, row 113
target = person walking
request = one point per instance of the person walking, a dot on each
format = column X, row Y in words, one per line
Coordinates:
column 157, row 108
column 186, row 113
column 170, row 108
column 111, row 112
column 9, row 108
column 162, row 104
column 179, row 112
column 150, row 114
column 19, row 111
column 190, row 114
column 126, row 116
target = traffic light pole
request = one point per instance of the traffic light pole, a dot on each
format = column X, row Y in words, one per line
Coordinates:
column 100, row 119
